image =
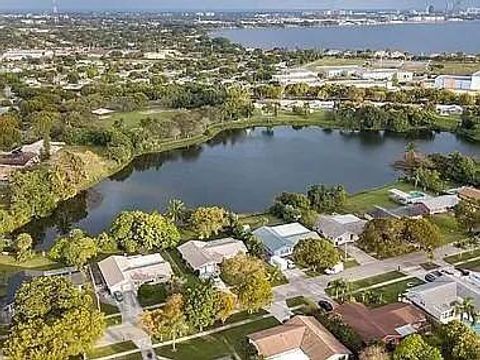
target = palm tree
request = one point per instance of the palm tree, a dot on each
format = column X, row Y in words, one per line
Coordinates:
column 468, row 310
column 340, row 286
column 175, row 210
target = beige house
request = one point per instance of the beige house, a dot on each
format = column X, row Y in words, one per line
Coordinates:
column 205, row 256
column 300, row 338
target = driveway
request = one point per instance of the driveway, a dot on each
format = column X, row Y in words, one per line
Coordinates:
column 359, row 255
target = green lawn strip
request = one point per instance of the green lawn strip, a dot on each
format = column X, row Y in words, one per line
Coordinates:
column 113, row 320
column 258, row 220
column 132, row 119
column 111, row 349
column 297, row 301
column 374, row 280
column 109, row 309
column 464, row 256
column 390, row 293
column 221, row 344
column 473, row 265
column 366, row 200
column 429, row 266
column 451, row 230
column 179, row 267
column 149, row 295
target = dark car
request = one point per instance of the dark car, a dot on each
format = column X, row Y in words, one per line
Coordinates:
column 464, row 272
column 436, row 273
column 118, row 296
column 430, row 277
column 325, row 305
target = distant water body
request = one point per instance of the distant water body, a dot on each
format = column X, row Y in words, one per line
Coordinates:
column 415, row 38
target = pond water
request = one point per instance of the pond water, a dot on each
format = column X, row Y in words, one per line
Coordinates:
column 242, row 170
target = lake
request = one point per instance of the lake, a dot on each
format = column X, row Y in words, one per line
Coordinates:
column 415, row 38
column 242, row 170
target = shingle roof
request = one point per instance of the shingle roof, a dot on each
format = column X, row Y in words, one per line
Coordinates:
column 281, row 236
column 376, row 324
column 300, row 332
column 470, row 193
column 440, row 203
column 337, row 225
column 201, row 253
column 435, row 297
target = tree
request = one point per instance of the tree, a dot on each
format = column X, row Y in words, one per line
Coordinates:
column 208, row 221
column 467, row 311
column 340, row 287
column 428, row 179
column 53, row 320
column 316, row 254
column 423, row 233
column 175, row 210
column 174, row 319
column 458, row 341
column 75, row 249
column 414, row 347
column 326, row 199
column 374, row 352
column 200, row 305
column 225, row 304
column 138, row 231
column 106, row 243
column 23, row 247
column 249, row 280
column 10, row 133
column 468, row 214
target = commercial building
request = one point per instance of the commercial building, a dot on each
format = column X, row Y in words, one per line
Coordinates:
column 458, row 83
column 297, row 76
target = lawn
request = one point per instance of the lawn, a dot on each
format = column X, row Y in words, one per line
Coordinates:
column 455, row 67
column 112, row 349
column 132, row 119
column 464, row 256
column 333, row 61
column 113, row 320
column 390, row 293
column 179, row 267
column 149, row 295
column 374, row 280
column 8, row 267
column 451, row 230
column 473, row 265
column 366, row 200
column 223, row 344
column 109, row 309
column 297, row 301
column 258, row 220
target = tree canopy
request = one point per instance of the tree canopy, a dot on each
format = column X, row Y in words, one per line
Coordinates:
column 75, row 249
column 316, row 254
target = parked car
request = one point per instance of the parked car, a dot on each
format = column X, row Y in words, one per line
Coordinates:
column 464, row 272
column 118, row 296
column 430, row 277
column 291, row 264
column 325, row 305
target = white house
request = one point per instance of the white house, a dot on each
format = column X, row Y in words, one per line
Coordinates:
column 128, row 273
column 449, row 109
column 297, row 76
column 280, row 240
column 456, row 82
column 205, row 256
column 340, row 229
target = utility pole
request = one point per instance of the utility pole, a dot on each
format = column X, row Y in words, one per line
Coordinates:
column 55, row 10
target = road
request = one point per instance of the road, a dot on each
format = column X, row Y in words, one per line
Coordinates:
column 314, row 287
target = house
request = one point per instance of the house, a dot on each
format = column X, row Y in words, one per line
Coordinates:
column 297, row 76
column 458, row 83
column 438, row 205
column 469, row 194
column 406, row 198
column 18, row 159
column 300, row 338
column 128, row 273
column 37, row 147
column 340, row 229
column 449, row 109
column 280, row 240
column 102, row 112
column 388, row 324
column 438, row 299
column 408, row 211
column 78, row 279
column 205, row 256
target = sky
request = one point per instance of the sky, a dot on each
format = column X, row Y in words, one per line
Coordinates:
column 219, row 4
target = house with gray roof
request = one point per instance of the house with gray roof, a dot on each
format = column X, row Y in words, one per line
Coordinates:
column 439, row 204
column 438, row 299
column 205, row 256
column 340, row 229
column 280, row 240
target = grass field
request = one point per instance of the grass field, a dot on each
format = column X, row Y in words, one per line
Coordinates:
column 366, row 200
column 223, row 344
column 132, row 119
column 111, row 349
column 109, row 309
column 390, row 293
column 464, row 256
column 455, row 67
column 451, row 230
column 374, row 280
column 473, row 265
column 333, row 61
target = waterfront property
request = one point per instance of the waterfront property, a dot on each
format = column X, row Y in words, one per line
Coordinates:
column 340, row 229
column 438, row 205
column 407, row 198
column 388, row 324
column 204, row 257
column 128, row 273
column 280, row 240
column 300, row 338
